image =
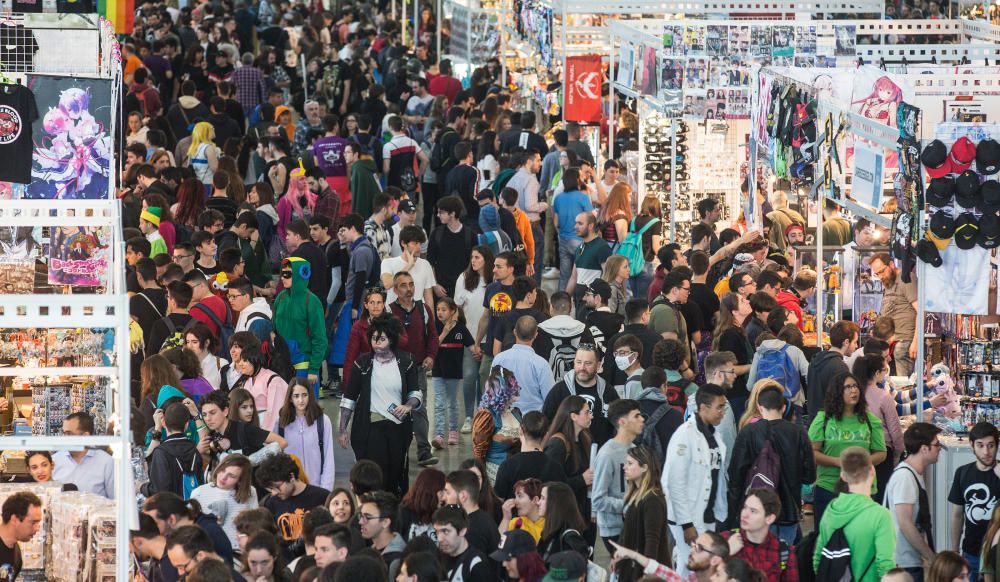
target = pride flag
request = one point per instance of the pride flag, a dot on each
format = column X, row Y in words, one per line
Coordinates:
column 120, row 12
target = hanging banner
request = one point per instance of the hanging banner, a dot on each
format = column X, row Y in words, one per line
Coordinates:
column 583, row 89
column 868, row 175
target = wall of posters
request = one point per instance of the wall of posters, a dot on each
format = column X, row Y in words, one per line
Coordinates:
column 73, row 145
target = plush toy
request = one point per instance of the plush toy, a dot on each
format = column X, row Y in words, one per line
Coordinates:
column 939, row 381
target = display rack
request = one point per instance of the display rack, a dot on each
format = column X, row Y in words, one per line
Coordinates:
column 95, row 55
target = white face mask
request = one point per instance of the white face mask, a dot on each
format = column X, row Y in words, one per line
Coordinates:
column 623, row 362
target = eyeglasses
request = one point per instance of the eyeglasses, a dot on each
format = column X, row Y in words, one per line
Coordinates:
column 234, row 296
column 624, row 353
column 696, row 547
column 183, row 568
column 363, row 517
column 850, row 386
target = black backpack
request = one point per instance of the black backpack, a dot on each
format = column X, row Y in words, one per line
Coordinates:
column 650, row 438
column 440, row 157
column 835, row 560
column 766, row 469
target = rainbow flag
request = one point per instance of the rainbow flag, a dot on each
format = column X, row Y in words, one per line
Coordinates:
column 120, row 12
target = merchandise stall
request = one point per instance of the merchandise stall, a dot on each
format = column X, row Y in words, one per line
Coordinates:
column 64, row 317
column 476, row 34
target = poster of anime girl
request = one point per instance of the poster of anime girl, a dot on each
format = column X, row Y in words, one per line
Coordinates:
column 79, row 256
column 877, row 95
column 72, row 138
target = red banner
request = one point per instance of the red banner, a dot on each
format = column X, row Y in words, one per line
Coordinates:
column 583, row 89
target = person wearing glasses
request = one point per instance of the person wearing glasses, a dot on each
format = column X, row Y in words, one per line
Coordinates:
column 377, row 519
column 255, row 314
column 907, row 500
column 844, row 422
column 709, row 553
column 299, row 319
column 188, row 546
column 899, row 301
column 665, row 316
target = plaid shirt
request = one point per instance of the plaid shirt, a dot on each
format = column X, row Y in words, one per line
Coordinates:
column 766, row 557
column 654, row 568
column 249, row 83
column 328, row 205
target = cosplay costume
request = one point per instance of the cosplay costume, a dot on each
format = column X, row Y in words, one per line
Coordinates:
column 299, row 319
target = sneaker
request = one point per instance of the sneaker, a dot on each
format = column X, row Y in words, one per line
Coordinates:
column 428, row 461
column 438, row 442
column 453, row 437
column 467, row 426
column 550, row 273
column 807, row 508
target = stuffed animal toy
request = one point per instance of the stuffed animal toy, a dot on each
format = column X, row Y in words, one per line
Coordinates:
column 939, row 381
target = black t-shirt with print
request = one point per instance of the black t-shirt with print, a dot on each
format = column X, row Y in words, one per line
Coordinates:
column 10, row 562
column 312, row 496
column 499, row 301
column 976, row 491
column 448, row 363
column 17, row 112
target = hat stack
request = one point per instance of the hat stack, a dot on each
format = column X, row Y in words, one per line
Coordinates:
column 958, row 192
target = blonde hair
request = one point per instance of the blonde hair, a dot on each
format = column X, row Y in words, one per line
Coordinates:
column 752, row 408
column 203, row 133
column 611, row 266
column 650, row 480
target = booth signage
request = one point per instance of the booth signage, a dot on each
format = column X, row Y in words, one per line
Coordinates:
column 583, row 89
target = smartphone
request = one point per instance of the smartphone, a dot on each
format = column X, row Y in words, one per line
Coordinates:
column 392, row 409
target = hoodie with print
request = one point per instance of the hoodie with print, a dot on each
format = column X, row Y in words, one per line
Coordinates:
column 299, row 318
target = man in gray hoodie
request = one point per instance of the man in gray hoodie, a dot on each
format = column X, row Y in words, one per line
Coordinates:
column 609, row 469
column 583, row 381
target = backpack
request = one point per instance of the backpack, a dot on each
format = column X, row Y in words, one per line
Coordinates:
column 176, row 337
column 804, row 552
column 835, row 560
column 631, row 247
column 563, row 353
column 501, row 180
column 497, row 240
column 649, row 437
column 320, row 424
column 439, row 157
column 276, row 352
column 189, row 479
column 766, row 468
column 778, row 365
column 677, row 397
column 226, row 329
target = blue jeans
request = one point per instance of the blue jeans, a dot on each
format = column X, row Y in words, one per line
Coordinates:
column 787, row 533
column 640, row 283
column 821, row 498
column 916, row 573
column 470, row 383
column 445, row 395
column 538, row 233
column 973, row 566
column 567, row 256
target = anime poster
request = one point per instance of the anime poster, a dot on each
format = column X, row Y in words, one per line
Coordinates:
column 20, row 242
column 17, row 276
column 846, row 38
column 805, row 40
column 73, row 145
column 878, row 95
column 717, row 40
column 12, row 190
column 79, row 256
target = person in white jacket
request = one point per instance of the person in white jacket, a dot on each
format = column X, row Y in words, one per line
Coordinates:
column 694, row 475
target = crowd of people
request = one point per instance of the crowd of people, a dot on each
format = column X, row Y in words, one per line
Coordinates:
column 368, row 231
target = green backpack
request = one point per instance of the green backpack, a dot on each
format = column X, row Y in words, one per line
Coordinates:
column 631, row 247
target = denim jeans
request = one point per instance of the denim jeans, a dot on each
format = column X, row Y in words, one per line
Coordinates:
column 640, row 283
column 538, row 233
column 445, row 398
column 470, row 383
column 787, row 533
column 567, row 256
column 973, row 566
column 821, row 498
column 419, row 415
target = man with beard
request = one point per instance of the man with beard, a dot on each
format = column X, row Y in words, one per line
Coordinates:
column 708, row 552
column 583, row 381
column 899, row 301
column 972, row 495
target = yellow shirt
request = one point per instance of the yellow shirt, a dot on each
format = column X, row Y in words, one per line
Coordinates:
column 722, row 287
column 533, row 527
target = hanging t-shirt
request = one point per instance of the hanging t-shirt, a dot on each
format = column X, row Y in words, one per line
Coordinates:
column 976, row 492
column 17, row 48
column 17, row 112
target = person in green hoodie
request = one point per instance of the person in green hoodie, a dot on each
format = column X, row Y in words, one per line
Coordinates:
column 867, row 525
column 297, row 314
column 363, row 185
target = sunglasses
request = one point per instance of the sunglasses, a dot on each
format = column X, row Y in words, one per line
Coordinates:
column 286, row 274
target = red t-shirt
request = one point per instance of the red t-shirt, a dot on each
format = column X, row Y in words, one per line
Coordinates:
column 445, row 85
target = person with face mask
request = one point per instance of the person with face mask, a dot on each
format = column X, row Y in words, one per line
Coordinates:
column 627, row 352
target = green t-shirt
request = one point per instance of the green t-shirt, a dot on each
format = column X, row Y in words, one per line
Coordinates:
column 590, row 257
column 841, row 434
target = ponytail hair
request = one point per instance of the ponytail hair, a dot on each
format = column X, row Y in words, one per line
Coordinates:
column 166, row 503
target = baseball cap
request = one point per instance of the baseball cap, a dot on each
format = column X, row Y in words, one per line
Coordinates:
column 967, row 188
column 566, row 566
column 941, row 191
column 934, row 157
column 942, row 226
column 406, row 206
column 966, row 231
column 990, row 194
column 988, row 157
column 513, row 544
column 600, row 287
column 963, row 152
column 928, row 252
column 989, row 231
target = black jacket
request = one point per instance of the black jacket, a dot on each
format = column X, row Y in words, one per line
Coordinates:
column 797, row 465
column 822, row 368
column 650, row 400
column 359, row 393
column 175, row 456
column 600, row 428
column 612, row 375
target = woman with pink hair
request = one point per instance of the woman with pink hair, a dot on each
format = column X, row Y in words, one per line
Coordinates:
column 298, row 202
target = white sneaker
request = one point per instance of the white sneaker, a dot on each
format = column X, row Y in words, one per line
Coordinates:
column 551, row 273
column 467, row 427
